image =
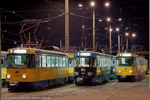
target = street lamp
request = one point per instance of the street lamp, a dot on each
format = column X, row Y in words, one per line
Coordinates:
column 93, row 5
column 110, row 30
column 80, row 5
column 100, row 20
column 120, row 19
column 127, row 35
column 108, row 19
column 133, row 36
column 117, row 30
column 107, row 4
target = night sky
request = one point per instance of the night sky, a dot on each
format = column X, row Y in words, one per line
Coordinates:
column 134, row 14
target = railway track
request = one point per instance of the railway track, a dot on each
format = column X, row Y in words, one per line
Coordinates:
column 71, row 89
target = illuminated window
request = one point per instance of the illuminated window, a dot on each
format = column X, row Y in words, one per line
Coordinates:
column 48, row 61
column 53, row 61
column 60, row 61
column 2, row 60
column 43, row 61
column 64, row 62
column 56, row 61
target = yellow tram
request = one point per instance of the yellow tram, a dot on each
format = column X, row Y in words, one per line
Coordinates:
column 36, row 68
column 130, row 66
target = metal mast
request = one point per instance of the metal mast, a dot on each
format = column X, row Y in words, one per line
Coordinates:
column 66, row 24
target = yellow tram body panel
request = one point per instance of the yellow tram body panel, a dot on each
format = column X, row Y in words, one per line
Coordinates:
column 16, row 75
column 145, row 68
column 98, row 70
column 125, row 70
column 38, row 74
column 3, row 73
column 71, row 72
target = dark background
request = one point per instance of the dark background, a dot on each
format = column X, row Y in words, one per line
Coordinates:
column 134, row 14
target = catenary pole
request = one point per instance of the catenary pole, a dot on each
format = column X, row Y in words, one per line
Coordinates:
column 66, row 24
column 93, row 29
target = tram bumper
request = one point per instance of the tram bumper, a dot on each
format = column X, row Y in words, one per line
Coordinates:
column 126, row 77
column 83, row 80
column 13, row 84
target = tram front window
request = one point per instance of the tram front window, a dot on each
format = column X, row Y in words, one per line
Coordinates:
column 85, row 62
column 126, row 61
column 20, row 61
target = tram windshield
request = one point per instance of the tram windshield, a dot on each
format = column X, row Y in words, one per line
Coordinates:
column 125, row 61
column 20, row 61
column 85, row 62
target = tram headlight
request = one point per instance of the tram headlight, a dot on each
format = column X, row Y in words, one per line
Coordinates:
column 130, row 71
column 8, row 76
column 119, row 71
column 89, row 73
column 76, row 73
column 24, row 76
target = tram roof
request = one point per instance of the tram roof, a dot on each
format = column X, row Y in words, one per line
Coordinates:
column 33, row 51
column 97, row 53
column 128, row 54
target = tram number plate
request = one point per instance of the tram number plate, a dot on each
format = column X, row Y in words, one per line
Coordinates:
column 79, row 79
column 123, row 76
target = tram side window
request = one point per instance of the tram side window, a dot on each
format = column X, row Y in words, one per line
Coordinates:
column 97, row 61
column 67, row 64
column 53, row 61
column 70, row 62
column 64, row 61
column 105, row 61
column 48, row 61
column 102, row 63
column 56, row 61
column 137, row 62
column 38, row 61
column 44, row 61
column 60, row 61
column 2, row 60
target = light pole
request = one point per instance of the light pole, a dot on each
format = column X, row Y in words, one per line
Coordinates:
column 117, row 30
column 93, row 5
column 66, row 24
column 110, row 30
column 127, row 34
column 133, row 36
column 107, row 4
